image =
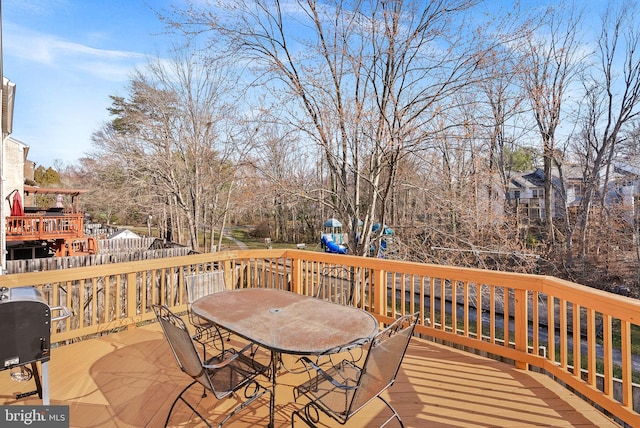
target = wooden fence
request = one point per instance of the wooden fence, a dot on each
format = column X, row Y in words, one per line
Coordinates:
column 110, row 251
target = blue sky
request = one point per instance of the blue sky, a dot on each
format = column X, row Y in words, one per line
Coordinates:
column 66, row 57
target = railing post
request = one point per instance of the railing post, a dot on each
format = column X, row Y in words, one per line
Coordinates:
column 521, row 325
column 379, row 292
column 132, row 301
column 296, row 275
column 228, row 275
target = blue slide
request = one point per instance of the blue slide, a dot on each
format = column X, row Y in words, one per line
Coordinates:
column 331, row 246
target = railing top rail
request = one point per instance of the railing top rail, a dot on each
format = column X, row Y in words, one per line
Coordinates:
column 29, row 216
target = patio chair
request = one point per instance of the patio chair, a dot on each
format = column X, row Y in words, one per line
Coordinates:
column 224, row 374
column 200, row 285
column 342, row 390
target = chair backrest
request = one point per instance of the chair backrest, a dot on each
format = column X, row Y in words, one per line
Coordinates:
column 383, row 360
column 336, row 285
column 182, row 346
column 204, row 283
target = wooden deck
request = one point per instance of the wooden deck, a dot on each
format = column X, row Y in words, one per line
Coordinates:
column 129, row 379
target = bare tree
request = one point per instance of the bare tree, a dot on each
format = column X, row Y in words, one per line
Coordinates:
column 172, row 136
column 550, row 64
column 277, row 159
column 503, row 118
column 612, row 101
column 104, row 182
column 361, row 79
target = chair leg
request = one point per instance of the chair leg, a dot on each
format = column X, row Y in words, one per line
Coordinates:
column 204, row 357
column 257, row 393
column 179, row 397
column 305, row 415
column 395, row 414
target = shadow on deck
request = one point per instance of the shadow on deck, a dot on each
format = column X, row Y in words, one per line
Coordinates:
column 129, row 379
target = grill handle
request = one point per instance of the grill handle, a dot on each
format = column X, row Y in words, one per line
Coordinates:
column 66, row 313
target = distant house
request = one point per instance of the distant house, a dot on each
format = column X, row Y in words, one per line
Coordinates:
column 526, row 191
column 526, row 195
column 623, row 188
column 15, row 167
column 123, row 234
column 14, row 151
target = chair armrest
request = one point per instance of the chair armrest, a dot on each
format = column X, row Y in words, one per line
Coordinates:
column 227, row 360
column 327, row 376
column 358, row 343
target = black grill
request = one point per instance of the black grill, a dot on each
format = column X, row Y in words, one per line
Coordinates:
column 25, row 338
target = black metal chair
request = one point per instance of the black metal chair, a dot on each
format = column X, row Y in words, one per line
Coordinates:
column 224, row 374
column 199, row 285
column 338, row 285
column 342, row 390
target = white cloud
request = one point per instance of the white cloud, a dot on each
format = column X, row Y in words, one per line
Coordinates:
column 35, row 7
column 44, row 49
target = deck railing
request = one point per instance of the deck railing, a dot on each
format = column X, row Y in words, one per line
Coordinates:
column 585, row 338
column 44, row 226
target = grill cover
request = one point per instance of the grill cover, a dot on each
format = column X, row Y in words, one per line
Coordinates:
column 25, row 327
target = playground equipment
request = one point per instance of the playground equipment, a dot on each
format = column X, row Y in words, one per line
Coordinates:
column 334, row 241
column 330, row 246
column 332, row 238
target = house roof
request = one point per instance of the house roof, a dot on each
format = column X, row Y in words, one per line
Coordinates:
column 516, row 182
column 629, row 167
column 123, row 233
column 536, row 177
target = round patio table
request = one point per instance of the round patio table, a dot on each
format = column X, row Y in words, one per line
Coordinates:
column 286, row 322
